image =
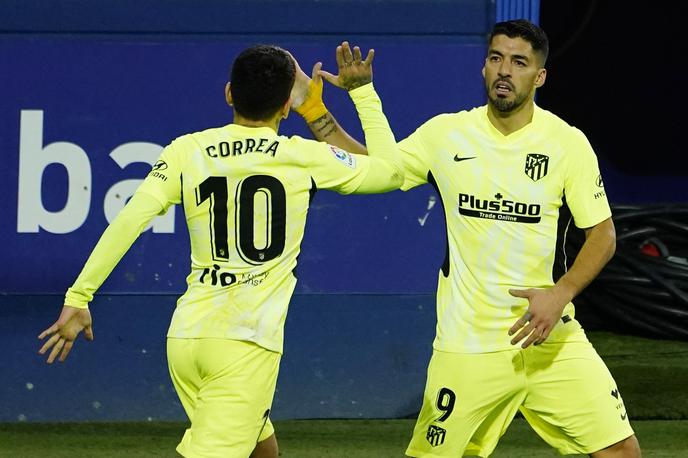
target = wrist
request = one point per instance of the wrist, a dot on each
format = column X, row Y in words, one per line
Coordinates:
column 76, row 299
column 362, row 90
column 312, row 109
column 564, row 291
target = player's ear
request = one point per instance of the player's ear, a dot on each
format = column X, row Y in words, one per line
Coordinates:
column 483, row 71
column 228, row 94
column 286, row 108
column 540, row 78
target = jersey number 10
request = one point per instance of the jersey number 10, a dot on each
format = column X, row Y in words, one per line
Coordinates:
column 216, row 189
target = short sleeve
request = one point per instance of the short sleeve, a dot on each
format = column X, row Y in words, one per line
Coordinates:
column 583, row 186
column 164, row 180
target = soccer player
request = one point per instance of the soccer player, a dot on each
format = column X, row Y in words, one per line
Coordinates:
column 512, row 177
column 245, row 191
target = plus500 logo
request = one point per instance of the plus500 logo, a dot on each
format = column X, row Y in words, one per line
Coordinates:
column 34, row 158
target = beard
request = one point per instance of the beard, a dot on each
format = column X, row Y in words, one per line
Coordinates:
column 503, row 104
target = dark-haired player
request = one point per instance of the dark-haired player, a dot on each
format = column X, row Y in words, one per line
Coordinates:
column 512, row 177
column 246, row 192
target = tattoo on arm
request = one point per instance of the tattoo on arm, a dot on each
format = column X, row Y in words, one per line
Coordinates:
column 324, row 126
column 356, row 82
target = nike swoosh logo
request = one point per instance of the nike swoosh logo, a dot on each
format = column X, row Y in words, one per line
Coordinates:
column 459, row 159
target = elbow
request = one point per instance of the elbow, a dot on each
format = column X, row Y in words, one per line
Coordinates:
column 611, row 250
column 398, row 178
column 611, row 236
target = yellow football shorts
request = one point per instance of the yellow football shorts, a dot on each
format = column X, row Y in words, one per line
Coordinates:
column 226, row 388
column 564, row 391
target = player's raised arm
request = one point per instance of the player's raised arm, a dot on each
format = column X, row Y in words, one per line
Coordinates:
column 355, row 75
column 307, row 98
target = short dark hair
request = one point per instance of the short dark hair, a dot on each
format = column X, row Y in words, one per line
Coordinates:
column 262, row 77
column 521, row 28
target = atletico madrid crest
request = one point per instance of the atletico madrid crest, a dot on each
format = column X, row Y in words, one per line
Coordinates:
column 436, row 435
column 536, row 166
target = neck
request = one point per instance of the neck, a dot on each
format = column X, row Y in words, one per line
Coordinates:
column 511, row 121
column 271, row 123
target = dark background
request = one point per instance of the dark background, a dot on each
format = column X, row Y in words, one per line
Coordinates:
column 615, row 72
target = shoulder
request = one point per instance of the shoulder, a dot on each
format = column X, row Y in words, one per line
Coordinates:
column 571, row 141
column 302, row 146
column 451, row 121
column 310, row 146
column 204, row 136
column 190, row 142
column 304, row 152
column 296, row 140
column 561, row 128
column 445, row 120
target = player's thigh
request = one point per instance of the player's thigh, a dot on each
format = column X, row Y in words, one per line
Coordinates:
column 573, row 401
column 468, row 402
column 183, row 371
column 233, row 402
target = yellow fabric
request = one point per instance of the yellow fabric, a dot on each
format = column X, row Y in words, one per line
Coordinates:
column 313, row 107
column 226, row 388
column 113, row 244
column 504, row 198
column 246, row 193
column 564, row 391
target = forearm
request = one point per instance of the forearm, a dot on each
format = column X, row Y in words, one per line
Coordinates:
column 379, row 138
column 113, row 244
column 597, row 250
column 327, row 129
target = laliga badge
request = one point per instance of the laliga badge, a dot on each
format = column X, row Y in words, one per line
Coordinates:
column 344, row 157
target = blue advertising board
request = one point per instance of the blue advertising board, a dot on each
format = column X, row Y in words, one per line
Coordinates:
column 84, row 121
column 89, row 99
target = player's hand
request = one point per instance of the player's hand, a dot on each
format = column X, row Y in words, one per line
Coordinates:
column 305, row 87
column 544, row 310
column 353, row 70
column 307, row 92
column 64, row 332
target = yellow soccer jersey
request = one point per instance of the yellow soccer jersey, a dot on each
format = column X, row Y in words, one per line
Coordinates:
column 246, row 193
column 508, row 201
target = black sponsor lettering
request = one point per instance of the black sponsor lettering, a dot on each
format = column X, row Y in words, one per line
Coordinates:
column 155, row 174
column 499, row 209
column 226, row 278
column 499, row 216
